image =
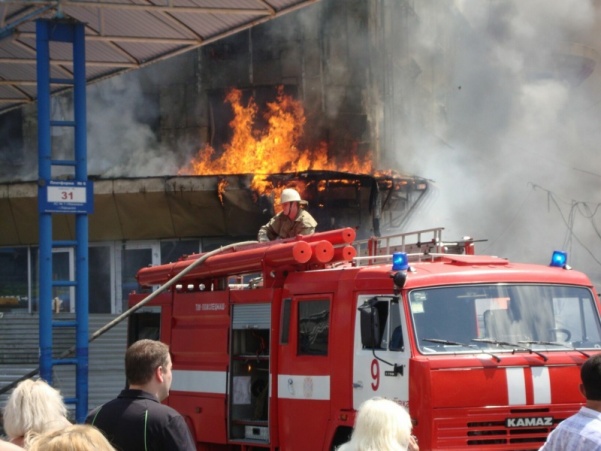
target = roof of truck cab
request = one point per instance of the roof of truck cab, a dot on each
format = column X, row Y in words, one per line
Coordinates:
column 461, row 269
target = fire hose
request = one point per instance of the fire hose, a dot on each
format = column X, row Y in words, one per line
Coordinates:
column 132, row 310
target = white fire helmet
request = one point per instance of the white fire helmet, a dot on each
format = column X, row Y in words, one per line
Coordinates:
column 291, row 195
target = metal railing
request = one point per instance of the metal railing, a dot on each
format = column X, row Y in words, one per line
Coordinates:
column 424, row 242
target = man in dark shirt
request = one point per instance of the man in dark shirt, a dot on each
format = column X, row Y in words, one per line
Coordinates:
column 136, row 420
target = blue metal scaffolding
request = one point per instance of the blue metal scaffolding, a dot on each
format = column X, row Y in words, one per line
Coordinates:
column 63, row 197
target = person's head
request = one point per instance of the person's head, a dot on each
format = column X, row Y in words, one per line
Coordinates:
column 291, row 202
column 77, row 437
column 590, row 374
column 34, row 407
column 381, row 425
column 148, row 366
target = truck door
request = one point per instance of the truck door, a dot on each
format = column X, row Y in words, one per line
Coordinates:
column 381, row 350
column 304, row 372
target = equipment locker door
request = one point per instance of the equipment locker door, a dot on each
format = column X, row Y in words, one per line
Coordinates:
column 304, row 372
column 249, row 371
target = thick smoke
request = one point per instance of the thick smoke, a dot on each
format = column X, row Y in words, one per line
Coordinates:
column 496, row 101
column 511, row 147
column 122, row 134
column 121, row 141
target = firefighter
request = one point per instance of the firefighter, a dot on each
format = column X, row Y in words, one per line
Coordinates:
column 293, row 220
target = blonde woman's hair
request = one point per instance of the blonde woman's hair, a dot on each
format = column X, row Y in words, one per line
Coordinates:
column 34, row 407
column 77, row 437
column 381, row 425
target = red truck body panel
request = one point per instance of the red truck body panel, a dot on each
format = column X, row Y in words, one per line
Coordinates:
column 284, row 364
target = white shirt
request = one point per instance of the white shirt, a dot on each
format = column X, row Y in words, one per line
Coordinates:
column 580, row 432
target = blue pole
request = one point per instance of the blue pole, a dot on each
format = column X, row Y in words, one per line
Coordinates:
column 81, row 225
column 45, row 219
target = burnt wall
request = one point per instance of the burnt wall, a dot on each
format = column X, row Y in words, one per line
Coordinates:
column 320, row 55
column 341, row 58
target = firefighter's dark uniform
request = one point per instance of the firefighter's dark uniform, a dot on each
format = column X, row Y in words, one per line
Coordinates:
column 137, row 421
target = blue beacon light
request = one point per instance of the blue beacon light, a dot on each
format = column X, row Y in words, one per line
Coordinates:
column 400, row 261
column 559, row 259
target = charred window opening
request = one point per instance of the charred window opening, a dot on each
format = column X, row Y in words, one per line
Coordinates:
column 12, row 158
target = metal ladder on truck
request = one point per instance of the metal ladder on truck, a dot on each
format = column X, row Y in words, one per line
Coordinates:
column 72, row 196
column 422, row 244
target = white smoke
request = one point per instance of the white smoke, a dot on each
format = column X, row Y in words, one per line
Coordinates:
column 120, row 144
column 490, row 99
column 513, row 148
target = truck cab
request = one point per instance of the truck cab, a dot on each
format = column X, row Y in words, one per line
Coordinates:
column 276, row 345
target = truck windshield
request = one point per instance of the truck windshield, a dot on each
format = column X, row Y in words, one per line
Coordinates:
column 474, row 318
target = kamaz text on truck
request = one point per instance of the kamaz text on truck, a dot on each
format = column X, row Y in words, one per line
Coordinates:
column 275, row 345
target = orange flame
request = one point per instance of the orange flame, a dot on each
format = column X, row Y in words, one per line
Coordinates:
column 272, row 150
column 221, row 189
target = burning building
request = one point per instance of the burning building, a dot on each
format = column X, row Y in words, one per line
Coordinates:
column 385, row 85
column 218, row 196
column 149, row 220
column 191, row 154
column 342, row 191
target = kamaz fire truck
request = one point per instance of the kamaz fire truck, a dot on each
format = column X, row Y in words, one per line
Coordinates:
column 275, row 345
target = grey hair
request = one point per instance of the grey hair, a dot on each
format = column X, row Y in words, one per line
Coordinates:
column 381, row 425
column 34, row 407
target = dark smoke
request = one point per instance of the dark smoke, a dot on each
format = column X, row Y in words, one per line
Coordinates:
column 496, row 101
column 513, row 90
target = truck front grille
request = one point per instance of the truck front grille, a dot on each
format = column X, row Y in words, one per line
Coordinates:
column 496, row 433
column 522, row 429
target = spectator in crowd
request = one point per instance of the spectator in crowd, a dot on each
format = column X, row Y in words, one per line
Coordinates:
column 8, row 446
column 293, row 220
column 381, row 425
column 33, row 407
column 76, row 437
column 582, row 431
column 136, row 420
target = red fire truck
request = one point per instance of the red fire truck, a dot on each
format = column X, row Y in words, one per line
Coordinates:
column 275, row 345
